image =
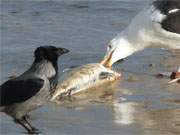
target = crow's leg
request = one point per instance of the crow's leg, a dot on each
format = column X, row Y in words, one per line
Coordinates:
column 26, row 119
column 28, row 116
column 26, row 125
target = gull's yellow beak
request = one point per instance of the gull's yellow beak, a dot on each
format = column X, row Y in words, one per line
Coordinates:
column 107, row 61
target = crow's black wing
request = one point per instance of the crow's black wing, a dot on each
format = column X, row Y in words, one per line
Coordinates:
column 15, row 91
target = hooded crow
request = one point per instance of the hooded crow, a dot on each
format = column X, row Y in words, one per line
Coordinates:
column 32, row 89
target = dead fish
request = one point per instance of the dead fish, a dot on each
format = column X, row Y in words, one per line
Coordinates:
column 84, row 77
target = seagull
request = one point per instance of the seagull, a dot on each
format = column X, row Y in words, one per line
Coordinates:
column 157, row 25
column 32, row 89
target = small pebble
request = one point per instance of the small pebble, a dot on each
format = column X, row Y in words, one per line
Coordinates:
column 159, row 75
column 152, row 65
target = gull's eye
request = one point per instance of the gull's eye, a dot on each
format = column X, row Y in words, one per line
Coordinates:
column 109, row 47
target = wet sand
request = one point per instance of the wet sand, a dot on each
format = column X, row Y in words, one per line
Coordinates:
column 139, row 104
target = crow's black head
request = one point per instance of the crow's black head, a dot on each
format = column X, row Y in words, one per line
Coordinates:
column 49, row 53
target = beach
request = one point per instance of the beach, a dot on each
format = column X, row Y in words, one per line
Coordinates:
column 138, row 104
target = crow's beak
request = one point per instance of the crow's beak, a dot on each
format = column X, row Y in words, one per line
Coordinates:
column 107, row 61
column 62, row 51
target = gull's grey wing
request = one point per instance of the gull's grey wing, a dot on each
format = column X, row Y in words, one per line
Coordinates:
column 171, row 9
column 172, row 22
column 15, row 91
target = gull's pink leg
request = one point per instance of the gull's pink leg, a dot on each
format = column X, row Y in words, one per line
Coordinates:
column 175, row 76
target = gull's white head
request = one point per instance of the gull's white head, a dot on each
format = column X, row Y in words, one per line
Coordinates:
column 117, row 49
